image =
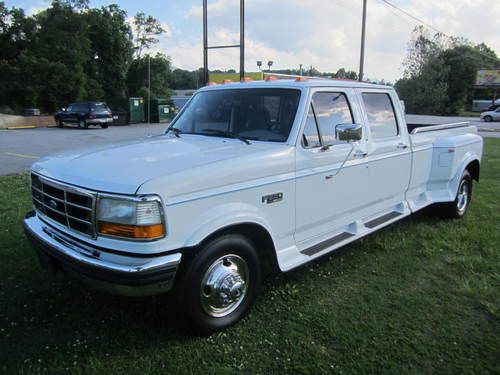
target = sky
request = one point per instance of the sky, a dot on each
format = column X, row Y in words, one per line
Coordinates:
column 322, row 33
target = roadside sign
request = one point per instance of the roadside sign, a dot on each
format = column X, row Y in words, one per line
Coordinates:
column 488, row 78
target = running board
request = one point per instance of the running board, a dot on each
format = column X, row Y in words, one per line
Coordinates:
column 327, row 243
column 382, row 219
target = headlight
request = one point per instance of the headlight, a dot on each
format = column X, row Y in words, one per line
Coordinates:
column 130, row 218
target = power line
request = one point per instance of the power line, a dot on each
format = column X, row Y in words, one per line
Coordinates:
column 419, row 20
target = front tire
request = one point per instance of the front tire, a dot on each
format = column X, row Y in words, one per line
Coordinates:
column 60, row 124
column 459, row 207
column 83, row 124
column 488, row 118
column 104, row 126
column 219, row 285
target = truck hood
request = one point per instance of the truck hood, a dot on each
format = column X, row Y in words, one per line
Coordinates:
column 123, row 167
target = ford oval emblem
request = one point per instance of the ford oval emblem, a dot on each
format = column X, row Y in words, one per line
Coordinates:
column 53, row 203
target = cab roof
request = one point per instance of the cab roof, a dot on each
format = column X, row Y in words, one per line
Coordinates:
column 292, row 83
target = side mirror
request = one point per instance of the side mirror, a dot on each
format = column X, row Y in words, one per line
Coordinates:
column 349, row 132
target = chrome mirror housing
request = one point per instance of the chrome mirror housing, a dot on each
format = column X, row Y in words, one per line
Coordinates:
column 349, row 132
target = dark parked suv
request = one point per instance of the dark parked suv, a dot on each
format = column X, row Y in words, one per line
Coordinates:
column 85, row 114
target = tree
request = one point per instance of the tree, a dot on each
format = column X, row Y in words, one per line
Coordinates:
column 440, row 72
column 343, row 74
column 137, row 77
column 111, row 49
column 147, row 28
column 67, row 52
column 184, row 79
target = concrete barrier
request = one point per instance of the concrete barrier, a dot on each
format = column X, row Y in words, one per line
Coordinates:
column 19, row 122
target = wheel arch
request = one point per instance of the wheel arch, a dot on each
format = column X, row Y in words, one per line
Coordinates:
column 257, row 234
column 474, row 168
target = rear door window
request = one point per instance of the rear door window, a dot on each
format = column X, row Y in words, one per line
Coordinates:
column 381, row 115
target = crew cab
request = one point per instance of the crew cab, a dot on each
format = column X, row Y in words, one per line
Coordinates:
column 85, row 114
column 247, row 176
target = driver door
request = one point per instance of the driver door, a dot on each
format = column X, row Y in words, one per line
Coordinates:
column 332, row 176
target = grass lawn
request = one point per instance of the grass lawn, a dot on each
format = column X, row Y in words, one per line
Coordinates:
column 420, row 296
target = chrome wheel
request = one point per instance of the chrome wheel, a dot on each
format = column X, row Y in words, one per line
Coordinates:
column 224, row 285
column 463, row 196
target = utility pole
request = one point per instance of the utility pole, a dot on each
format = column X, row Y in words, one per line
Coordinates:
column 242, row 40
column 205, row 43
column 362, row 54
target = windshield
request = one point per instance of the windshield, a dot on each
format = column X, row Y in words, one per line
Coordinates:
column 98, row 107
column 255, row 114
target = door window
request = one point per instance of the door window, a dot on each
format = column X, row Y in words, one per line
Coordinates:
column 80, row 107
column 381, row 116
column 331, row 109
column 328, row 109
column 310, row 137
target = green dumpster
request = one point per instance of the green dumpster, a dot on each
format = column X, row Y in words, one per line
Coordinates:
column 136, row 110
column 161, row 110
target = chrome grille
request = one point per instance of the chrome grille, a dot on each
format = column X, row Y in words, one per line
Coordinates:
column 67, row 205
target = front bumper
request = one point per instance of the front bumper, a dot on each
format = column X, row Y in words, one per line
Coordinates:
column 115, row 273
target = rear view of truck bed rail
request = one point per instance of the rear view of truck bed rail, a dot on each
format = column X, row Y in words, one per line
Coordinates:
column 421, row 128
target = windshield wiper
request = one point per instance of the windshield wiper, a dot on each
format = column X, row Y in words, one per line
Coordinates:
column 176, row 131
column 228, row 134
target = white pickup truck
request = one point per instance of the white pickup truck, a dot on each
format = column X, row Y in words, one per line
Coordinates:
column 248, row 175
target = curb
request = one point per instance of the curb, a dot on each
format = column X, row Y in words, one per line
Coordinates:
column 21, row 127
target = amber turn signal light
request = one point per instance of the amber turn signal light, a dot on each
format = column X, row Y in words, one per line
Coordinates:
column 142, row 232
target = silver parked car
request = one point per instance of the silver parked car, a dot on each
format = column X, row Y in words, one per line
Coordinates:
column 491, row 115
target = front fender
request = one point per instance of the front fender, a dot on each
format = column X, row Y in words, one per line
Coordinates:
column 224, row 216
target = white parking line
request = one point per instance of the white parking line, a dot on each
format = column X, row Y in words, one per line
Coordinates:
column 21, row 155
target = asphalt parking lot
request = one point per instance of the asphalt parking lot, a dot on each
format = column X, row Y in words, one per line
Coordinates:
column 20, row 148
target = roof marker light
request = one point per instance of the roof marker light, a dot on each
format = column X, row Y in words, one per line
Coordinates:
column 211, row 83
column 271, row 78
column 301, row 79
column 224, row 81
column 246, row 79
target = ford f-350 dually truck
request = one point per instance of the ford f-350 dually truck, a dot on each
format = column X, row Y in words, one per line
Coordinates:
column 247, row 175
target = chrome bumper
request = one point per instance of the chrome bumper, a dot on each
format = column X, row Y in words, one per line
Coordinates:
column 100, row 121
column 111, row 272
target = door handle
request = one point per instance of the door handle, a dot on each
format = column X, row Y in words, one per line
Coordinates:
column 402, row 146
column 360, row 154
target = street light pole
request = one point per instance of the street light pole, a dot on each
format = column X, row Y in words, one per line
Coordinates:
column 362, row 54
column 149, row 88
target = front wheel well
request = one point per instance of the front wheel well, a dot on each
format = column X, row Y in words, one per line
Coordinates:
column 473, row 168
column 259, row 236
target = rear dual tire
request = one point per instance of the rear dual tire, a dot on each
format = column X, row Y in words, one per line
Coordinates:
column 218, row 287
column 459, row 207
